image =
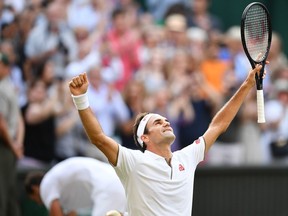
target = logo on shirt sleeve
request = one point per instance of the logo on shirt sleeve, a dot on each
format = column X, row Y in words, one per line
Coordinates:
column 197, row 141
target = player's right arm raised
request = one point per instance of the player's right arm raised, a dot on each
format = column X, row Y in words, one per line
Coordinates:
column 78, row 87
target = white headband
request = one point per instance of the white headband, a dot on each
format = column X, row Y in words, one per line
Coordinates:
column 141, row 127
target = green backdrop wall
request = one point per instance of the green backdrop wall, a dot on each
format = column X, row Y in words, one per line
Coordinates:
column 241, row 191
column 231, row 11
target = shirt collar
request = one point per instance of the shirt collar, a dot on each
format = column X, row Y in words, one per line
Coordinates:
column 153, row 155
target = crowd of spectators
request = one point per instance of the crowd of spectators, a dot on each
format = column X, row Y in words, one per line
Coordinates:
column 170, row 57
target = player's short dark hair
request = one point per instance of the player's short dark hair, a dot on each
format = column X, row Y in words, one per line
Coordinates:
column 33, row 179
column 138, row 119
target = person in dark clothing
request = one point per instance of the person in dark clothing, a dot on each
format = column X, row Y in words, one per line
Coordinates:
column 39, row 117
column 11, row 139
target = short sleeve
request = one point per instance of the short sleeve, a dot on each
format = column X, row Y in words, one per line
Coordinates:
column 127, row 160
column 49, row 191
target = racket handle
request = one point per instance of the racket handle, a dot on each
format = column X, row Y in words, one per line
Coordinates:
column 260, row 106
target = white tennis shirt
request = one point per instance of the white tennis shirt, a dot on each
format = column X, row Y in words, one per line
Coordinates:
column 153, row 187
column 83, row 184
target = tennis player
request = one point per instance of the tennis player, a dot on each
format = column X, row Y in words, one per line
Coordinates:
column 156, row 181
column 78, row 186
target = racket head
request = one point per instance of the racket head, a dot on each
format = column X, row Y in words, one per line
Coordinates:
column 256, row 33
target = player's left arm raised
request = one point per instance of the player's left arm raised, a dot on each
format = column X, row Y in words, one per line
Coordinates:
column 226, row 114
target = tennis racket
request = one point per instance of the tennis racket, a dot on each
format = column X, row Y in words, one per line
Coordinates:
column 256, row 35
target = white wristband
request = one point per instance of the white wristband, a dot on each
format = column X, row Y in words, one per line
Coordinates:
column 81, row 101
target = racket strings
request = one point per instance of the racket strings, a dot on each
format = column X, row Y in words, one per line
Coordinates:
column 256, row 32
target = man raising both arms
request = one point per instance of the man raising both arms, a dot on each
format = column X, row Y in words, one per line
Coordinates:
column 156, row 181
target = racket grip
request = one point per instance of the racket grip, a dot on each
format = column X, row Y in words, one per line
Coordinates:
column 260, row 106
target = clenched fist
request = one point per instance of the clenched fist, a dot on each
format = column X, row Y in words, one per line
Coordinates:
column 79, row 84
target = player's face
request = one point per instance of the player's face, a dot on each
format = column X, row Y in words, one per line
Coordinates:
column 159, row 130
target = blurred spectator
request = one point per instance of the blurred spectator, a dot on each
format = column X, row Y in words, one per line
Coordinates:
column 152, row 38
column 176, row 38
column 36, row 9
column 232, row 52
column 39, row 117
column 25, row 23
column 278, row 59
column 177, row 71
column 89, row 20
column 152, row 73
column 275, row 134
column 8, row 25
column 86, row 58
column 213, row 68
column 52, row 40
column 11, row 141
column 158, row 9
column 250, row 130
column 178, row 8
column 125, row 43
column 133, row 10
column 111, row 65
column 134, row 96
column 16, row 74
column 16, row 5
column 7, row 15
column 197, row 43
column 45, row 71
column 282, row 73
column 202, row 18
